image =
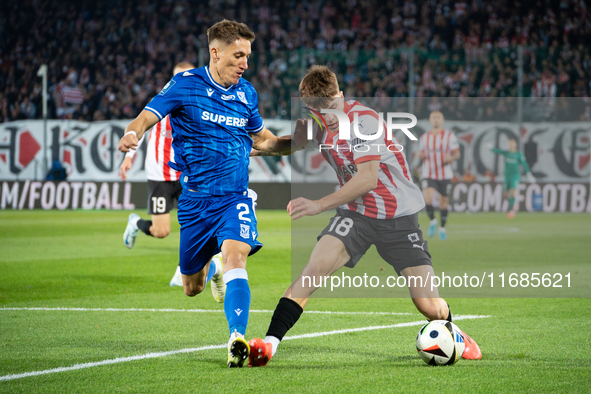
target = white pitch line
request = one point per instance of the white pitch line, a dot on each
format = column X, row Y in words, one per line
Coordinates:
column 189, row 311
column 210, row 347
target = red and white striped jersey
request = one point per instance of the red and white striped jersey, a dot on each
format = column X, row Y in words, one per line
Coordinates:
column 159, row 152
column 435, row 146
column 396, row 195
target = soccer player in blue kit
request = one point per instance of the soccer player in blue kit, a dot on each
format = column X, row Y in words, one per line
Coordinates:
column 215, row 123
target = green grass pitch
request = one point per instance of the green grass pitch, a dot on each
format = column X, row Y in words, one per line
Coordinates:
column 76, row 259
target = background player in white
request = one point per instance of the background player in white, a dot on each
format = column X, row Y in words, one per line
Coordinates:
column 439, row 148
column 377, row 204
column 164, row 187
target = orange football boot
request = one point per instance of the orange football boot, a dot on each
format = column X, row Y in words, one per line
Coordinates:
column 471, row 351
column 260, row 352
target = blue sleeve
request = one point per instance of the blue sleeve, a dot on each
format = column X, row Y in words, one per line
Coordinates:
column 255, row 122
column 169, row 99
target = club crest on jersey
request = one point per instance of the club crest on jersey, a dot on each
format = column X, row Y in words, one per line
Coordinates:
column 166, row 87
column 228, row 97
column 242, row 97
column 245, row 231
column 414, row 237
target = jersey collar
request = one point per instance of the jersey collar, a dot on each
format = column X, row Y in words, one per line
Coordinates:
column 217, row 84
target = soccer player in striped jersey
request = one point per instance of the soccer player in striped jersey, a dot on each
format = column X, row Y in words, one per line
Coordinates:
column 513, row 159
column 438, row 149
column 377, row 204
column 215, row 124
column 164, row 189
column 163, row 182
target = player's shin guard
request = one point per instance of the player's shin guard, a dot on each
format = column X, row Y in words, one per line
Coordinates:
column 144, row 226
column 511, row 203
column 430, row 211
column 443, row 217
column 237, row 302
column 285, row 317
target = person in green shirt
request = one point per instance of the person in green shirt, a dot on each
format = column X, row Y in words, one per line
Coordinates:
column 513, row 159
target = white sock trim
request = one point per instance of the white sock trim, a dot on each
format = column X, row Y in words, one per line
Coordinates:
column 235, row 335
column 274, row 341
column 236, row 273
column 134, row 221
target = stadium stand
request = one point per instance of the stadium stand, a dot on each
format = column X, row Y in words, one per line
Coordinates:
column 108, row 58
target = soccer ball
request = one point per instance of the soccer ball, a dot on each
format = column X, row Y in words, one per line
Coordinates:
column 440, row 342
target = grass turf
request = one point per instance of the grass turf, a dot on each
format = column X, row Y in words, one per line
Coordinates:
column 77, row 259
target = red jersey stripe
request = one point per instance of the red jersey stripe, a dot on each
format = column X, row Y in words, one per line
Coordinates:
column 157, row 141
column 166, row 158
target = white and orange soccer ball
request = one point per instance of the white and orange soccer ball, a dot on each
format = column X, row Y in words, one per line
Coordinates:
column 440, row 342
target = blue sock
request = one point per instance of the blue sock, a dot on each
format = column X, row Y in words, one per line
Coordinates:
column 211, row 272
column 237, row 301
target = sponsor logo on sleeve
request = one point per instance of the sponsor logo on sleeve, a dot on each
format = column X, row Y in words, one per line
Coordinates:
column 166, row 87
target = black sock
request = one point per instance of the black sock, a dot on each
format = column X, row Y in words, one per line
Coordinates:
column 144, row 225
column 285, row 317
column 443, row 217
column 449, row 315
column 430, row 212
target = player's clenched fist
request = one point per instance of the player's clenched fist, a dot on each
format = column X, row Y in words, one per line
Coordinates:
column 128, row 141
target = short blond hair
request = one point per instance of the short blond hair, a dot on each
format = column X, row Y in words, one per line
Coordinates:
column 183, row 66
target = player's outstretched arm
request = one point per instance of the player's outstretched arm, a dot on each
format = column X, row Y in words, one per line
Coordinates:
column 136, row 129
column 495, row 150
column 254, row 152
column 266, row 141
column 364, row 181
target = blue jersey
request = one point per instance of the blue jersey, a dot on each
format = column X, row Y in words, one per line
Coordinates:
column 210, row 130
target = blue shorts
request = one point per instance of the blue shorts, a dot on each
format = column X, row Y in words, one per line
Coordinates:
column 206, row 222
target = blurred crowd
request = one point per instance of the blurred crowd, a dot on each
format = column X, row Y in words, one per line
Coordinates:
column 106, row 59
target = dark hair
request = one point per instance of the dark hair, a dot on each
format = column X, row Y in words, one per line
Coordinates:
column 228, row 32
column 318, row 87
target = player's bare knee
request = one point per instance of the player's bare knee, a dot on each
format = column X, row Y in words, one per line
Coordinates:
column 234, row 260
column 193, row 289
column 189, row 291
column 320, row 269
